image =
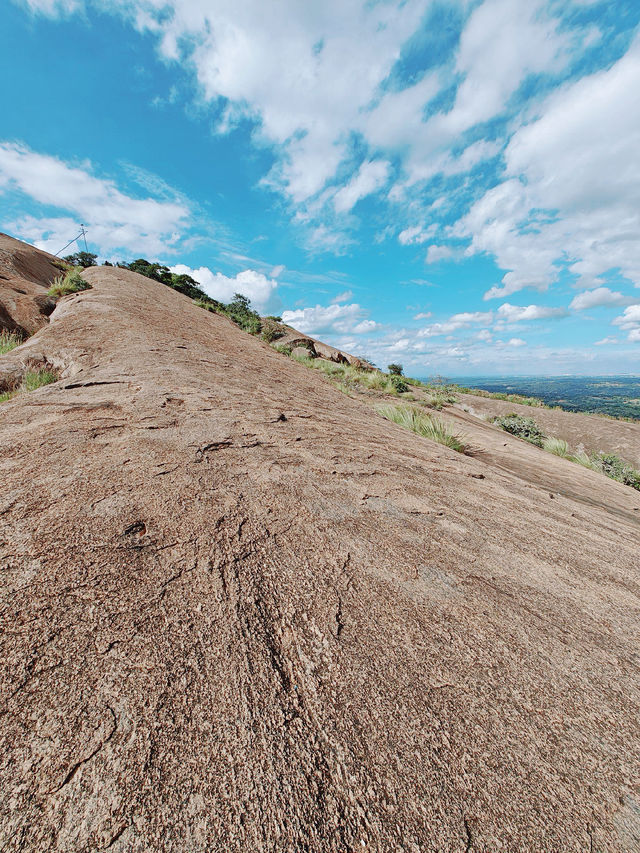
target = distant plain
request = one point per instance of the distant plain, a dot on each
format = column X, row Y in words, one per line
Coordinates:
column 618, row 396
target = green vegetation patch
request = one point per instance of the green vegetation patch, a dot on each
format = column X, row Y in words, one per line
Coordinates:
column 521, row 427
column 70, row 282
column 422, row 424
column 32, row 379
column 81, row 259
column 350, row 376
column 616, row 468
column 606, row 463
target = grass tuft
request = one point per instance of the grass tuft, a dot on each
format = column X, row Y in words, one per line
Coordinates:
column 37, row 378
column 557, row 446
column 9, row 341
column 31, row 380
column 70, row 282
column 423, row 425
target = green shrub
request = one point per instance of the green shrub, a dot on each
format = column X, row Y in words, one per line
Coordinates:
column 70, row 282
column 521, row 427
column 270, row 334
column 395, row 369
column 397, row 380
column 617, row 469
column 9, row 341
column 282, row 348
column 423, row 425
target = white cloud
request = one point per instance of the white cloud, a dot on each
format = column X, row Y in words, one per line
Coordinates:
column 285, row 66
column 365, row 326
column 629, row 321
column 343, row 319
column 371, row 176
column 457, row 321
column 598, row 297
column 516, row 342
column 114, row 219
column 277, row 271
column 400, row 345
column 345, row 296
column 572, row 188
column 517, row 313
column 629, row 318
column 416, row 234
column 53, row 7
column 519, row 38
column 438, row 253
column 423, row 315
column 606, row 341
column 254, row 285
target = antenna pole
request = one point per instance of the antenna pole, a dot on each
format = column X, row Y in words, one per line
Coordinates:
column 82, row 233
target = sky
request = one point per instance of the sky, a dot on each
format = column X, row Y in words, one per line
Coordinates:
column 454, row 186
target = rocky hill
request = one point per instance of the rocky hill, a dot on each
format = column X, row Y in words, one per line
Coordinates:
column 241, row 611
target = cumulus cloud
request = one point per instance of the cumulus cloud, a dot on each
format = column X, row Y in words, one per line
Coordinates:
column 629, row 321
column 438, row 253
column 516, row 342
column 563, row 198
column 598, row 297
column 115, row 220
column 365, row 326
column 254, row 285
column 343, row 319
column 457, row 321
column 517, row 313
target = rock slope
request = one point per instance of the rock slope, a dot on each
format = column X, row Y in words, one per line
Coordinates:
column 242, row 612
column 25, row 276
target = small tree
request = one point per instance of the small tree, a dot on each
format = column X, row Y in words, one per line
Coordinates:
column 82, row 259
column 395, row 369
column 241, row 312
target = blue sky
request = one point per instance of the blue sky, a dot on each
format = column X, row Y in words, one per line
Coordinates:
column 452, row 185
